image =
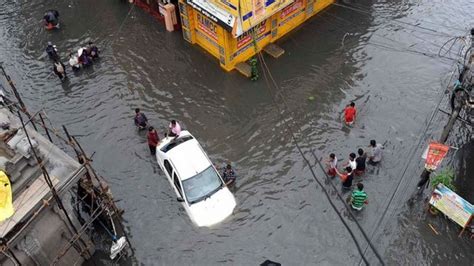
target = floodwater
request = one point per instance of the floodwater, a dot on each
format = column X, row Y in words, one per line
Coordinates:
column 372, row 55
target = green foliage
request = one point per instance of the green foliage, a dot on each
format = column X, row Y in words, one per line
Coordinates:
column 445, row 177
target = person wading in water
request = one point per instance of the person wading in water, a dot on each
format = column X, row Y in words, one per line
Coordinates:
column 350, row 114
column 153, row 140
column 140, row 119
column 59, row 69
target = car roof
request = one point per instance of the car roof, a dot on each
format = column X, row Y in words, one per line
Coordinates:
column 188, row 159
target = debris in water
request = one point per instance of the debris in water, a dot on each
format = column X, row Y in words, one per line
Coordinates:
column 434, row 230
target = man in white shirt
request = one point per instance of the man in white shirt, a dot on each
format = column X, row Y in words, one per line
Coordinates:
column 352, row 163
column 376, row 155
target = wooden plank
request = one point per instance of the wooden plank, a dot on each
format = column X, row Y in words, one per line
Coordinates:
column 274, row 50
column 244, row 69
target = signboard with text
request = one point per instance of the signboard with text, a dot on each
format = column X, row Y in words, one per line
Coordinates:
column 452, row 205
column 207, row 26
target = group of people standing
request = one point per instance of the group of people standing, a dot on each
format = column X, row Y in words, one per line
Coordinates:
column 83, row 58
column 141, row 122
column 356, row 164
column 174, row 129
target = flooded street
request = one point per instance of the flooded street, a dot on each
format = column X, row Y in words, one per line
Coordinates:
column 382, row 55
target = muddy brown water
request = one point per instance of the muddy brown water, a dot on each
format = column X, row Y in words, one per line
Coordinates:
column 371, row 56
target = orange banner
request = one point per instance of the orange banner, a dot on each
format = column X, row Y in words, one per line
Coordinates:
column 436, row 153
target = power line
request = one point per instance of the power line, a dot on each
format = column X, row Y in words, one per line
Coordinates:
column 266, row 69
column 435, row 32
column 122, row 24
column 412, row 154
column 356, row 242
column 363, row 9
column 403, row 50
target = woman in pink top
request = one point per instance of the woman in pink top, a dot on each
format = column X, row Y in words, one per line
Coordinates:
column 174, row 129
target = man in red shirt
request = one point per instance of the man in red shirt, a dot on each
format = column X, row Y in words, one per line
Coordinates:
column 153, row 140
column 350, row 114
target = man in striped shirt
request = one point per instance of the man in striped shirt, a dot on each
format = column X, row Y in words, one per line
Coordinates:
column 358, row 197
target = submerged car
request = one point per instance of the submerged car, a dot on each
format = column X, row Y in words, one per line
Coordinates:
column 196, row 182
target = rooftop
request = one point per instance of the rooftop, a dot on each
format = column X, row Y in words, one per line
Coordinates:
column 28, row 183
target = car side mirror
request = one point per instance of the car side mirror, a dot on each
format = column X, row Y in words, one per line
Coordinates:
column 179, row 199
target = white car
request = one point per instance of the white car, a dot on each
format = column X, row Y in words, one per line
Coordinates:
column 197, row 184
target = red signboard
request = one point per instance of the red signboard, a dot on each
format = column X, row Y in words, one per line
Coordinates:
column 436, row 153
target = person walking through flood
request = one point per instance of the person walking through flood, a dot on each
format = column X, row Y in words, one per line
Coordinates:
column 229, row 175
column 376, row 155
column 74, row 62
column 350, row 114
column 52, row 51
column 153, row 140
column 351, row 163
column 346, row 178
column 92, row 51
column 358, row 197
column 332, row 165
column 360, row 161
column 51, row 19
column 59, row 69
column 174, row 129
column 140, row 119
column 84, row 59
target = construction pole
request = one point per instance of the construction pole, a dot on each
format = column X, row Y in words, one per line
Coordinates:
column 45, row 128
column 48, row 181
column 78, row 155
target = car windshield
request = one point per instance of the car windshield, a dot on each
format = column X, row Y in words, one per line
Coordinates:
column 202, row 185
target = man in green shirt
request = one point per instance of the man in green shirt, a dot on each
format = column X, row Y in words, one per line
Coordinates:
column 358, row 197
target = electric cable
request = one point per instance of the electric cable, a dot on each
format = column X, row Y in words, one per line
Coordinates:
column 405, row 49
column 435, row 32
column 363, row 9
column 294, row 137
column 356, row 242
column 322, row 168
column 311, row 168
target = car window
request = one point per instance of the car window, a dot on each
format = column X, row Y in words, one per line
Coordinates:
column 168, row 167
column 175, row 143
column 202, row 185
column 177, row 184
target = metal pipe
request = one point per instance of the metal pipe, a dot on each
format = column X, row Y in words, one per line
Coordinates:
column 76, row 237
column 45, row 128
column 47, row 178
column 30, row 220
column 71, row 143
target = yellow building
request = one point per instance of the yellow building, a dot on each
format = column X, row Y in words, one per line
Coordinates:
column 227, row 28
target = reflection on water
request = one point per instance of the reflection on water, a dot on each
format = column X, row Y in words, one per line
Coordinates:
column 337, row 57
